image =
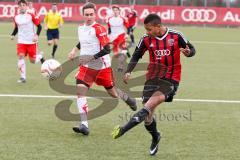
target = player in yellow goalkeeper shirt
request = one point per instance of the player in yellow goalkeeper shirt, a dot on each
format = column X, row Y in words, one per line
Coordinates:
column 53, row 20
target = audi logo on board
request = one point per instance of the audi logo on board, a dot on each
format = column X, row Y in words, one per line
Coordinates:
column 8, row 11
column 199, row 15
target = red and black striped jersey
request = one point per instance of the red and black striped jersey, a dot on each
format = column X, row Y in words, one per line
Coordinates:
column 164, row 54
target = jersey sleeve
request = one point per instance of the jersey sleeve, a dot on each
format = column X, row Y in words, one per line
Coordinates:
column 182, row 41
column 101, row 34
column 35, row 20
column 108, row 23
column 141, row 48
column 15, row 31
column 138, row 53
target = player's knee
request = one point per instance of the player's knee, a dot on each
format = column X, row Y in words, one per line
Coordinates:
column 158, row 97
column 50, row 42
column 154, row 101
column 112, row 93
column 21, row 57
column 80, row 93
column 81, row 90
column 32, row 60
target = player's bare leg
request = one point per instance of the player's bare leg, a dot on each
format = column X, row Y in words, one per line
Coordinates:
column 50, row 42
column 83, row 109
column 117, row 93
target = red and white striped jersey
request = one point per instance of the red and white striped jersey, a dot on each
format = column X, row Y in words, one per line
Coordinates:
column 117, row 26
column 92, row 39
column 26, row 27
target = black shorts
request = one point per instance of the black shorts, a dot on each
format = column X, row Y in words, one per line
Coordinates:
column 130, row 30
column 52, row 34
column 167, row 86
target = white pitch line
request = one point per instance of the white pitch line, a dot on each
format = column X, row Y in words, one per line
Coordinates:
column 73, row 97
column 35, row 96
column 207, row 100
column 217, row 42
column 42, row 37
column 198, row 42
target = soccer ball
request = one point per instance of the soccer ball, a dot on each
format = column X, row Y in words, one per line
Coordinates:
column 51, row 69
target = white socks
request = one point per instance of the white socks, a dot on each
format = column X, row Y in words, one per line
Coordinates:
column 22, row 68
column 83, row 109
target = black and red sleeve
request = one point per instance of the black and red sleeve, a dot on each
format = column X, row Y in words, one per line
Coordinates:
column 138, row 53
column 183, row 42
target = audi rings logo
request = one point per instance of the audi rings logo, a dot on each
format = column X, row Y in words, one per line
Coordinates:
column 199, row 15
column 160, row 53
column 8, row 11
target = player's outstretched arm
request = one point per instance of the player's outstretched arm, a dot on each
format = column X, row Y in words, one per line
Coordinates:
column 139, row 51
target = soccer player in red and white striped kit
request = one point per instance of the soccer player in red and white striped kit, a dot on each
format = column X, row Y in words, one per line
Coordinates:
column 165, row 46
column 27, row 38
column 117, row 26
column 95, row 65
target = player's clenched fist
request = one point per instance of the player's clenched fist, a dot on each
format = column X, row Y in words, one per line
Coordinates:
column 12, row 37
column 185, row 51
column 35, row 38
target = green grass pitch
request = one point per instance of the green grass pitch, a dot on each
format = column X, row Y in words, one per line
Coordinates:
column 30, row 130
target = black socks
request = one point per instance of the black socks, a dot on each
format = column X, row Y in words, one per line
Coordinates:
column 54, row 50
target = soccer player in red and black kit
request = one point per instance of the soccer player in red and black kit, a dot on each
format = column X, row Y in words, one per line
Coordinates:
column 164, row 73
